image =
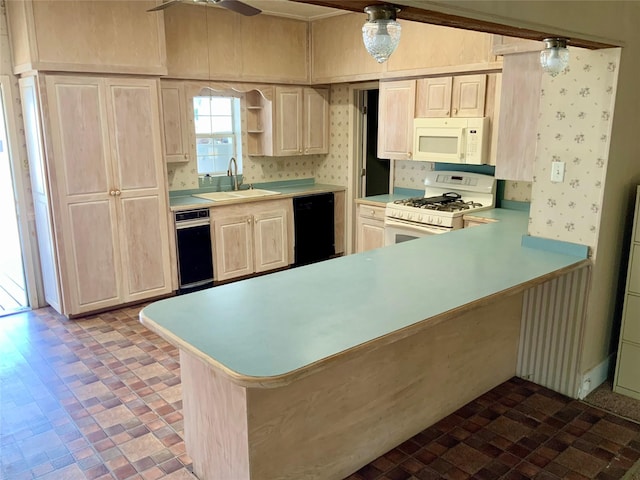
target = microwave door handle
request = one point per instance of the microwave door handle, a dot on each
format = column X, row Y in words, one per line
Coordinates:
column 462, row 142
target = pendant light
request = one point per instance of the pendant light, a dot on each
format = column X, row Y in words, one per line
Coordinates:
column 554, row 59
column 381, row 32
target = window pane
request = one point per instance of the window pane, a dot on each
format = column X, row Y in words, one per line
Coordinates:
column 204, row 146
column 206, row 165
column 202, row 105
column 203, row 125
column 221, row 125
column 221, row 106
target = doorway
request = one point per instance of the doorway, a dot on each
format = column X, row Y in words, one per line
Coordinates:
column 13, row 291
column 374, row 171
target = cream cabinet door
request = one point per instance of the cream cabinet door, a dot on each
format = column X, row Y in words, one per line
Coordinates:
column 519, row 107
column 468, row 95
column 316, row 121
column 433, row 97
column 370, row 228
column 270, row 240
column 141, row 201
column 83, row 200
column 396, row 107
column 233, row 246
column 175, row 124
column 288, row 121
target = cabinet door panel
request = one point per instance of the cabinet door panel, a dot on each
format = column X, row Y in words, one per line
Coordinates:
column 631, row 323
column 628, row 375
column 370, row 234
column 77, row 120
column 233, row 246
column 519, row 107
column 270, row 230
column 634, row 270
column 91, row 253
column 145, row 252
column 433, row 97
column 174, row 116
column 468, row 96
column 288, row 128
column 316, row 128
column 395, row 124
column 133, row 111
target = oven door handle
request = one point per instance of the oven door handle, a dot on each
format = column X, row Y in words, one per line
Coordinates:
column 415, row 227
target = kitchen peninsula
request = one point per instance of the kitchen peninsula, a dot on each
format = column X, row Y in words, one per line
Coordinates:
column 313, row 372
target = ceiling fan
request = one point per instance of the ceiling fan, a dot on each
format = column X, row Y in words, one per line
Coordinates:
column 234, row 5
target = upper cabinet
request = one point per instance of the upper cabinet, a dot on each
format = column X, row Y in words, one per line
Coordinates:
column 517, row 125
column 285, row 121
column 396, row 106
column 338, row 54
column 459, row 96
column 401, row 101
column 215, row 43
column 80, row 36
column 175, row 124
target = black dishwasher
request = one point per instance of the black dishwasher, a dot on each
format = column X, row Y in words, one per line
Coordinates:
column 314, row 228
column 195, row 257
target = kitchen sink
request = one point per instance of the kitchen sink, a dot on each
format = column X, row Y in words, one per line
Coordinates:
column 219, row 196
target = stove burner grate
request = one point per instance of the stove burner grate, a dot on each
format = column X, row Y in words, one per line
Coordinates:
column 453, row 205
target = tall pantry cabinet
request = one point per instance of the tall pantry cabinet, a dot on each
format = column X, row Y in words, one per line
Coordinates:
column 105, row 224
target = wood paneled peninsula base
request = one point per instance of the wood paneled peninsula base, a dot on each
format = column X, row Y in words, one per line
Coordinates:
column 327, row 420
column 313, row 372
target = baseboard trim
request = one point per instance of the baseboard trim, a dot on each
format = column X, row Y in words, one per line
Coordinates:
column 595, row 377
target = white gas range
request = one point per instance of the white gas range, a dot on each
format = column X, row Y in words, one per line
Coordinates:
column 447, row 197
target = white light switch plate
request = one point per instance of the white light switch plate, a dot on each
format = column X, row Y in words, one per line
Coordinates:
column 557, row 172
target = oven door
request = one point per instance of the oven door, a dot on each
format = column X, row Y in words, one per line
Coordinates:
column 398, row 231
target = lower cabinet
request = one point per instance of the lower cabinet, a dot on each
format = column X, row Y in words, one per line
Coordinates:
column 252, row 238
column 370, row 228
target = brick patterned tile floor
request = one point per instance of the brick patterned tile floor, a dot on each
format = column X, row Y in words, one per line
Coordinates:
column 99, row 398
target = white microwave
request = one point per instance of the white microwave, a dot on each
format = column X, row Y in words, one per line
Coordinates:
column 451, row 140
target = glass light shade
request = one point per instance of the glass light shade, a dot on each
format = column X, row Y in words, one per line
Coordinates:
column 381, row 32
column 555, row 58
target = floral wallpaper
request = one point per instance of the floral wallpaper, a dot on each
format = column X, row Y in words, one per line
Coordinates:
column 574, row 127
column 411, row 173
column 334, row 168
column 517, row 191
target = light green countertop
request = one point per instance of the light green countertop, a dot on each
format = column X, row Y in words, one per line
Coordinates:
column 187, row 202
column 279, row 324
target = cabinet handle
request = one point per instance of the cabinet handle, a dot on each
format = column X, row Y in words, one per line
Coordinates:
column 112, row 193
column 455, row 111
column 448, row 113
column 118, row 192
column 186, row 156
column 373, row 213
column 249, row 220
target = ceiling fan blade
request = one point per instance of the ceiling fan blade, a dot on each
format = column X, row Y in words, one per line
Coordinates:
column 164, row 5
column 238, row 7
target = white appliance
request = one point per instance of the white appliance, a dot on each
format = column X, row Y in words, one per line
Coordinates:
column 447, row 197
column 451, row 140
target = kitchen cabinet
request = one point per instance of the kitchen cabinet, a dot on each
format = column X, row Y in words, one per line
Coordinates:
column 252, row 238
column 518, row 118
column 107, row 189
column 218, row 44
column 98, row 37
column 471, row 221
column 175, row 114
column 396, row 106
column 288, row 120
column 458, row 96
column 627, row 375
column 370, row 228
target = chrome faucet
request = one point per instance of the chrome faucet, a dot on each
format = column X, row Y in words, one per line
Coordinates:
column 236, row 185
